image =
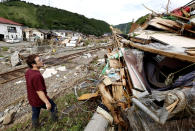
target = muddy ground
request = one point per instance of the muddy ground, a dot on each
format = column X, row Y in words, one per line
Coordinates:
column 81, row 72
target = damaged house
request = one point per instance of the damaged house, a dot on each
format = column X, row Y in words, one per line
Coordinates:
column 60, row 33
column 10, row 31
column 64, row 33
column 31, row 34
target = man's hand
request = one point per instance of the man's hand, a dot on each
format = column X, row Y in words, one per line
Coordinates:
column 48, row 105
column 43, row 97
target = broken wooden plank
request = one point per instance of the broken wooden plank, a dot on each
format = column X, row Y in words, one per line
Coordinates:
column 117, row 92
column 161, row 27
column 88, row 96
column 179, row 56
column 166, row 22
column 122, row 73
column 190, row 52
column 139, row 40
column 184, row 18
column 174, row 40
column 107, row 81
column 105, row 93
column 166, row 38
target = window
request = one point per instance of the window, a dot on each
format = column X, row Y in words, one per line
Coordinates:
column 11, row 29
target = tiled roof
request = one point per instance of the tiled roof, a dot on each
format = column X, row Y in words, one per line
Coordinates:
column 6, row 21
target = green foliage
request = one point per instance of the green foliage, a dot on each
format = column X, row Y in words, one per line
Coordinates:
column 124, row 27
column 46, row 17
column 142, row 19
column 5, row 48
column 75, row 120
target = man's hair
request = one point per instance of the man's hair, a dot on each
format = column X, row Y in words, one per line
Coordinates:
column 31, row 60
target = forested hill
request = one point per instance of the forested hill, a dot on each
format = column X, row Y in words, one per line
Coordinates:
column 125, row 27
column 45, row 17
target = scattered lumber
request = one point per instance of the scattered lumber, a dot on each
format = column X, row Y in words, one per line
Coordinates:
column 176, row 55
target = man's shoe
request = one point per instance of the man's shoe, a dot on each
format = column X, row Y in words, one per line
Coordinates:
column 54, row 117
column 35, row 124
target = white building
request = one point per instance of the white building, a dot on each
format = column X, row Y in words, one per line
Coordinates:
column 10, row 30
column 64, row 33
column 60, row 33
column 31, row 34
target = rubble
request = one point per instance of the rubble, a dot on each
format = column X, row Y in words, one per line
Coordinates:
column 148, row 81
column 88, row 55
column 62, row 68
column 49, row 72
column 8, row 118
column 15, row 59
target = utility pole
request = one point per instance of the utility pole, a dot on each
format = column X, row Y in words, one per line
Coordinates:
column 49, row 3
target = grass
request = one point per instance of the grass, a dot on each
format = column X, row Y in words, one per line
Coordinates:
column 5, row 48
column 75, row 120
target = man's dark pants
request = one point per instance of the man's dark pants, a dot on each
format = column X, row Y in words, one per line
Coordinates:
column 36, row 112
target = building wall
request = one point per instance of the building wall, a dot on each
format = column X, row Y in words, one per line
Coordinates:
column 8, row 35
column 30, row 35
column 38, row 33
column 61, row 34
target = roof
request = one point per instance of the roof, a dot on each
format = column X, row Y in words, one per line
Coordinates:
column 31, row 29
column 6, row 21
column 63, row 31
column 44, row 31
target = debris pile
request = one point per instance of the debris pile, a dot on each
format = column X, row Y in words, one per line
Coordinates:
column 148, row 81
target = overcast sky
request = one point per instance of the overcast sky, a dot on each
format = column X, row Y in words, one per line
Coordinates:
column 112, row 11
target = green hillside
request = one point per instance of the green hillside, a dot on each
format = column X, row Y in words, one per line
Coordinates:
column 124, row 27
column 45, row 17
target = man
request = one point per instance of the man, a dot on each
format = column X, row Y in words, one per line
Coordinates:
column 36, row 90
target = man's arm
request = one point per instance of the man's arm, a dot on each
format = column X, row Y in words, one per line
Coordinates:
column 42, row 96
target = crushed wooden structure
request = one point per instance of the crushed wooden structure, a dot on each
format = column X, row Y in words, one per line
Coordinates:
column 148, row 81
